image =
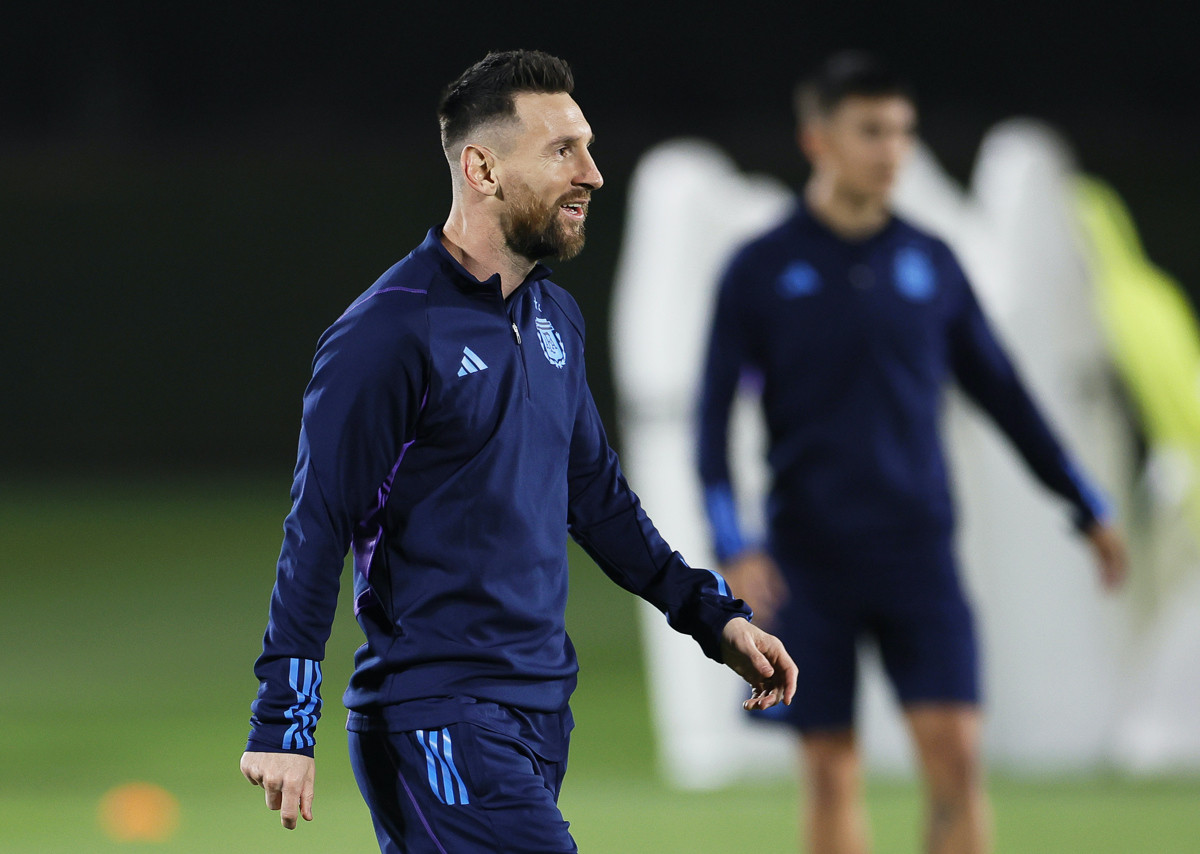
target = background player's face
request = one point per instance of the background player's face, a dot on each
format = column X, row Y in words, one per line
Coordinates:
column 863, row 143
column 547, row 177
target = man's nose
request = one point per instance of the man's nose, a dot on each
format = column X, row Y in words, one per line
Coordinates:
column 589, row 176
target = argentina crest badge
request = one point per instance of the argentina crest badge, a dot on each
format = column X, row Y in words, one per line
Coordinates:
column 914, row 274
column 551, row 341
column 799, row 279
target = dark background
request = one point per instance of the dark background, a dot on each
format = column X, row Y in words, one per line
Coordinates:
column 190, row 194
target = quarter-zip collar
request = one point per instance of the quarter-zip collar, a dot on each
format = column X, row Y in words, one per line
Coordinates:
column 434, row 252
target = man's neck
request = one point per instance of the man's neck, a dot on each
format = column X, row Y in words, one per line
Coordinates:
column 481, row 249
column 848, row 215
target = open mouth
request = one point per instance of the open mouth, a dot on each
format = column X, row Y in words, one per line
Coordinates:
column 575, row 210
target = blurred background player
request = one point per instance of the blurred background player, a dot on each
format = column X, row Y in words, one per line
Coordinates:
column 853, row 321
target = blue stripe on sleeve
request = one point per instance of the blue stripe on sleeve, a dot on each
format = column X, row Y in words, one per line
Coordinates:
column 1094, row 500
column 722, row 516
column 304, row 712
column 722, row 587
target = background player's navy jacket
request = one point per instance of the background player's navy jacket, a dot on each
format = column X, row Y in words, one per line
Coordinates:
column 450, row 439
column 854, row 342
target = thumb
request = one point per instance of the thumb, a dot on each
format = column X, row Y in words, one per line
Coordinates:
column 762, row 664
column 754, row 655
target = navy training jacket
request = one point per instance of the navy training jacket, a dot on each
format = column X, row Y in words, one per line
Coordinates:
column 853, row 344
column 449, row 439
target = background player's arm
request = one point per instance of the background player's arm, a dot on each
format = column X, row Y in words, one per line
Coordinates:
column 754, row 576
column 988, row 376
column 750, row 571
column 1108, row 550
column 723, row 363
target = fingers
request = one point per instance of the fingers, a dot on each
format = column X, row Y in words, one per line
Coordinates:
column 250, row 771
column 1119, row 567
column 754, row 578
column 761, row 660
column 1111, row 557
column 786, row 673
column 274, row 797
column 761, row 699
column 287, row 782
column 289, row 804
column 767, row 615
column 1115, row 573
column 296, row 800
column 766, row 598
column 765, row 696
column 1113, row 568
column 306, row 800
column 791, row 677
column 285, row 797
column 1109, row 574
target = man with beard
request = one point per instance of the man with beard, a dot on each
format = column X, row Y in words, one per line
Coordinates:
column 450, row 441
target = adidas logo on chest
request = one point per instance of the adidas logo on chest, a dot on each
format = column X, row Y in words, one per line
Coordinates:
column 471, row 363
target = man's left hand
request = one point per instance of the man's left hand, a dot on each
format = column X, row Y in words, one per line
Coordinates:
column 761, row 660
column 1108, row 549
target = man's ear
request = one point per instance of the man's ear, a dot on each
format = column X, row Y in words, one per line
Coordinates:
column 478, row 166
column 810, row 140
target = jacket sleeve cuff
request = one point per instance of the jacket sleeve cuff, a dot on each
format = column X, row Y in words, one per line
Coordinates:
column 708, row 615
column 265, row 739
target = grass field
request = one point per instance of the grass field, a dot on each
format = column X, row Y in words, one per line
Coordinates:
column 131, row 614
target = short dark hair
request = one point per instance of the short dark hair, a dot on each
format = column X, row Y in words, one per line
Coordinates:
column 844, row 75
column 485, row 91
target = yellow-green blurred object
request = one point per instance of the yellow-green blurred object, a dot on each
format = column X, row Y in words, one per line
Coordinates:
column 1156, row 342
column 1153, row 337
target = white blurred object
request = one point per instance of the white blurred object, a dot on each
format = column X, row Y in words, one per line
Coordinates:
column 1159, row 730
column 689, row 209
column 1056, row 653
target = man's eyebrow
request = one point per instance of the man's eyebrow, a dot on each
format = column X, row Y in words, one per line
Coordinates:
column 569, row 138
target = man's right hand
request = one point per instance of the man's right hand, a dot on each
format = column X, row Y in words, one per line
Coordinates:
column 754, row 577
column 287, row 779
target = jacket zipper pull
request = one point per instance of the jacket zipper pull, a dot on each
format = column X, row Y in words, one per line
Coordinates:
column 516, row 332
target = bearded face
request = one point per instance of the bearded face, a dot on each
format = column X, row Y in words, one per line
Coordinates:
column 535, row 229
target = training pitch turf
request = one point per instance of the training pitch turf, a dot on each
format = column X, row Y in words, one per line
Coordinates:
column 131, row 614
